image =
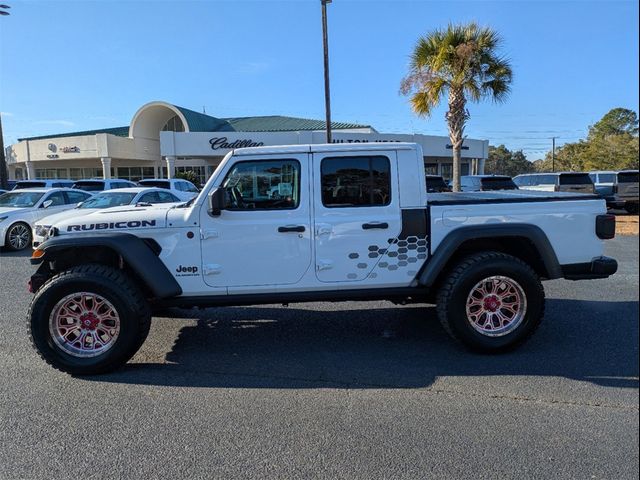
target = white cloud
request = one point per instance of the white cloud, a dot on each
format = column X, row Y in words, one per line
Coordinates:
column 6, row 114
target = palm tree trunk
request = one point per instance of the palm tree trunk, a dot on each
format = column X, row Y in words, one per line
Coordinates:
column 456, row 119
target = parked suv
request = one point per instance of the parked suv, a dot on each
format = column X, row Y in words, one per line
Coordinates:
column 436, row 184
column 99, row 185
column 182, row 188
column 485, row 183
column 52, row 183
column 628, row 189
column 556, row 182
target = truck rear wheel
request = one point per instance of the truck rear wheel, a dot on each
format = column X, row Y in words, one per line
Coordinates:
column 631, row 207
column 491, row 302
column 87, row 320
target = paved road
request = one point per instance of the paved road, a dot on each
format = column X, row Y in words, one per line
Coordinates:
column 353, row 390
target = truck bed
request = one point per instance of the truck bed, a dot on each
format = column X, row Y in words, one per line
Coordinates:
column 504, row 196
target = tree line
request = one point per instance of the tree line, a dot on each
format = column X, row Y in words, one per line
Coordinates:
column 611, row 144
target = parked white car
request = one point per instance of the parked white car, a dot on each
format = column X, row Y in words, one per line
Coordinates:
column 100, row 185
column 20, row 209
column 182, row 188
column 101, row 201
column 485, row 183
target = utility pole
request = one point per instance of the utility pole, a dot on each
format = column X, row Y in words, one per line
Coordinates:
column 553, row 154
column 325, row 44
column 3, row 161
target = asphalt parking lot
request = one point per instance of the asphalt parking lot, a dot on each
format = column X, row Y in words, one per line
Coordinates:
column 351, row 390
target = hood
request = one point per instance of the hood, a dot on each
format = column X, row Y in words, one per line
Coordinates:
column 129, row 219
column 9, row 210
column 74, row 213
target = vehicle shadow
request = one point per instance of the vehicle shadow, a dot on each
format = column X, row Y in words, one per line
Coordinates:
column 396, row 347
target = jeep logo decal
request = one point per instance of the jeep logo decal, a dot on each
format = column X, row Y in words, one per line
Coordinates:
column 108, row 226
column 182, row 271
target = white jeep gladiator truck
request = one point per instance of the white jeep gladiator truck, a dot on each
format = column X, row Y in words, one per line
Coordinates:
column 349, row 222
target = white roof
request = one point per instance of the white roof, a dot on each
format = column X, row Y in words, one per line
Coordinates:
column 326, row 147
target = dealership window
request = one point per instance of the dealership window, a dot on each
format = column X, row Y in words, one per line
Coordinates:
column 447, row 170
column 263, row 185
column 19, row 174
column 84, row 173
column 173, row 125
column 51, row 173
column 135, row 173
column 431, row 168
column 362, row 181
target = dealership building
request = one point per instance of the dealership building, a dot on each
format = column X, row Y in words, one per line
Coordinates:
column 163, row 139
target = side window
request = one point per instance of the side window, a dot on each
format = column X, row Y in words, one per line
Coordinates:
column 76, row 197
column 263, row 185
column 356, row 181
column 166, row 197
column 180, row 186
column 57, row 198
column 189, row 187
column 151, row 197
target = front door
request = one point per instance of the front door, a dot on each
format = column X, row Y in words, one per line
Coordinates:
column 357, row 214
column 263, row 237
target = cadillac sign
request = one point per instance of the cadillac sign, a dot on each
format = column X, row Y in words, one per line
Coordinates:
column 222, row 143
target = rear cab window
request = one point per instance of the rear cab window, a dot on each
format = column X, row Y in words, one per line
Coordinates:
column 628, row 177
column 30, row 185
column 156, row 183
column 362, row 181
column 575, row 179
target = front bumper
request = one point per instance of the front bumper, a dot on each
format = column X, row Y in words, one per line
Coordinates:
column 599, row 267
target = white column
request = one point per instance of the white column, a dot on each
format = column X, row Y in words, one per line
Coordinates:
column 31, row 172
column 481, row 162
column 106, row 167
column 171, row 166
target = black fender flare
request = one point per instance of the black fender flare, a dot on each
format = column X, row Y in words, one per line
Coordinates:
column 135, row 252
column 451, row 243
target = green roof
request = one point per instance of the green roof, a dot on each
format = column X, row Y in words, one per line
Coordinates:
column 278, row 123
column 201, row 122
column 117, row 131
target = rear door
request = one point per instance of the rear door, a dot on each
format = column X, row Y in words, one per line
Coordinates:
column 357, row 213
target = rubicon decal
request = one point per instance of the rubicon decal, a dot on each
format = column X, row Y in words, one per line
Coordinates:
column 111, row 225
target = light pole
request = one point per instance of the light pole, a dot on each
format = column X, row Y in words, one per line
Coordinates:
column 3, row 161
column 325, row 43
column 553, row 154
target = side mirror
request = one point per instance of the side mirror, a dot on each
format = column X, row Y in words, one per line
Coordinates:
column 47, row 204
column 217, row 202
column 79, row 204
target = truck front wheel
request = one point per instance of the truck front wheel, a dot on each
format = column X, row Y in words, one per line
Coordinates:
column 491, row 302
column 87, row 320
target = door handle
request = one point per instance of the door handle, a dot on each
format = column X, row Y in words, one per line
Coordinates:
column 371, row 226
column 292, row 228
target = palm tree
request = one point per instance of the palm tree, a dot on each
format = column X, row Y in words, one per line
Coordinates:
column 461, row 62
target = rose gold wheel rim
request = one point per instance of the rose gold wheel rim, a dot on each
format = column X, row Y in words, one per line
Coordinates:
column 496, row 306
column 84, row 324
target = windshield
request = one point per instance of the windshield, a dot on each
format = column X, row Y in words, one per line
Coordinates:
column 108, row 200
column 156, row 183
column 20, row 199
column 89, row 186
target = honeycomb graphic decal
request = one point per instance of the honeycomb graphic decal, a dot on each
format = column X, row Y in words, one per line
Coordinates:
column 407, row 252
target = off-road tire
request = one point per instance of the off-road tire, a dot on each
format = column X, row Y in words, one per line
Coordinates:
column 132, row 308
column 7, row 243
column 458, row 284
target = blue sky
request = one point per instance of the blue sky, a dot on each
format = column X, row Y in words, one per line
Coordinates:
column 79, row 65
